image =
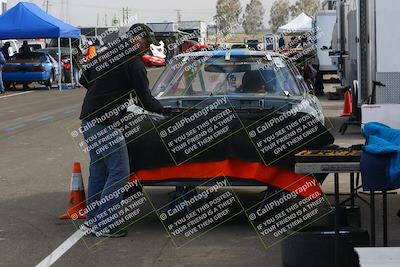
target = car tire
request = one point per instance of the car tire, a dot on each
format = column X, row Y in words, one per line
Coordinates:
column 7, row 85
column 50, row 81
column 315, row 247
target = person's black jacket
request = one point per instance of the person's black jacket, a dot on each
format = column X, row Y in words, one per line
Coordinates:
column 113, row 89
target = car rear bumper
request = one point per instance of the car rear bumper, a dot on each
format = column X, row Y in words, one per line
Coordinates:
column 25, row 77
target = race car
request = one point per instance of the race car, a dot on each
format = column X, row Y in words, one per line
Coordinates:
column 237, row 114
column 31, row 67
column 153, row 61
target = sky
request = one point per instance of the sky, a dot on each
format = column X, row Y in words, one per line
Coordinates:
column 89, row 12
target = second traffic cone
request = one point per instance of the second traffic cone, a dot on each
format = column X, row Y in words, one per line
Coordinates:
column 348, row 107
column 77, row 199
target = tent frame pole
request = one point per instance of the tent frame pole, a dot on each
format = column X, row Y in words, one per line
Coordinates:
column 59, row 64
column 73, row 82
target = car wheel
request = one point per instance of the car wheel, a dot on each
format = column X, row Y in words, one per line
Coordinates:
column 50, row 81
column 7, row 85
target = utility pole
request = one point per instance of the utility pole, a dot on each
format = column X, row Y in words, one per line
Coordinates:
column 45, row 5
column 123, row 16
column 62, row 10
column 97, row 21
column 105, row 19
column 178, row 15
column 67, row 11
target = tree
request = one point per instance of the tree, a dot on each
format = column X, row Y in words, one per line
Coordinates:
column 279, row 14
column 253, row 17
column 227, row 18
column 309, row 7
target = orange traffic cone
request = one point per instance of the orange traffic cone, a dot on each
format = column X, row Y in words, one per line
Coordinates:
column 77, row 199
column 348, row 107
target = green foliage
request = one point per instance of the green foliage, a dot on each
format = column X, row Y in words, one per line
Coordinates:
column 227, row 17
column 309, row 7
column 279, row 14
column 253, row 17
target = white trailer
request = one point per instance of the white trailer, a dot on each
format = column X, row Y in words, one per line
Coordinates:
column 324, row 24
column 387, row 53
column 368, row 38
column 197, row 28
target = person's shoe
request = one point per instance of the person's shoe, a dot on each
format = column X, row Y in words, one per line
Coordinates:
column 114, row 233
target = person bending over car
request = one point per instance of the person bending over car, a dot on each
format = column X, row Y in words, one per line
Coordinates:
column 106, row 93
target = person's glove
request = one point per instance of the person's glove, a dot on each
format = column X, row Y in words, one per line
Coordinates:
column 140, row 111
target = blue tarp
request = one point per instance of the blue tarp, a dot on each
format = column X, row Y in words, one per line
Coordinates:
column 28, row 21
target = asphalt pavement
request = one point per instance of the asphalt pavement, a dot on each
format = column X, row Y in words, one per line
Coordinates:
column 37, row 152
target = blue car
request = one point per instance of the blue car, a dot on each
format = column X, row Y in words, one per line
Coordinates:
column 25, row 68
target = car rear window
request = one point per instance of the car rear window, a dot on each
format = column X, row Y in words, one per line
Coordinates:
column 28, row 58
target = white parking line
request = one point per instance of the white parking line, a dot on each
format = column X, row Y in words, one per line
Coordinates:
column 22, row 93
column 62, row 249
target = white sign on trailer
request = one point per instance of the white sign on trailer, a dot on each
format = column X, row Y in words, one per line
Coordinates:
column 387, row 114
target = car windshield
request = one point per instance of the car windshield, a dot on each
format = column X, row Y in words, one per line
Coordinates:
column 205, row 76
column 28, row 58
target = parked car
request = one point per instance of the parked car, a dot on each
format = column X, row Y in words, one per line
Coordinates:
column 153, row 61
column 65, row 60
column 36, row 45
column 239, row 46
column 253, row 44
column 213, row 102
column 193, row 46
column 31, row 67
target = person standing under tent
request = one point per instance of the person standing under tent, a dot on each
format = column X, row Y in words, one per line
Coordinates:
column 5, row 50
column 91, row 51
column 77, row 60
column 25, row 47
column 2, row 64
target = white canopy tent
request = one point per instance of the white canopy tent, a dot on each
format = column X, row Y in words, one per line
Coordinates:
column 302, row 23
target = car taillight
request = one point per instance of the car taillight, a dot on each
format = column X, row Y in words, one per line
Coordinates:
column 37, row 69
column 9, row 69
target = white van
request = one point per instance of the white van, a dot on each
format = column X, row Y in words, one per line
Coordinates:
column 324, row 24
